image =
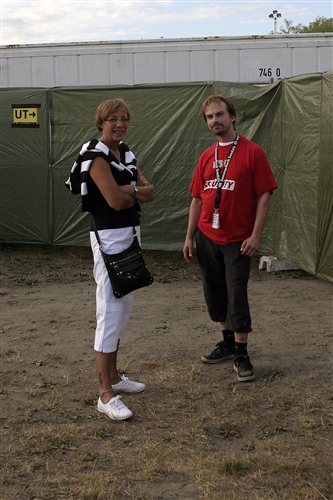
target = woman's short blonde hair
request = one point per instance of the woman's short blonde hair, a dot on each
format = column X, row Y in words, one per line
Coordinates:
column 106, row 108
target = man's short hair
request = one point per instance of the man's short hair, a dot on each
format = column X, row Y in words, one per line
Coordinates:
column 216, row 98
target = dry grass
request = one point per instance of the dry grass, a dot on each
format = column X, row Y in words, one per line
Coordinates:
column 190, row 438
column 216, row 442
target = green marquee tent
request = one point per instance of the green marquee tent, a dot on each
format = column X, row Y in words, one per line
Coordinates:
column 42, row 131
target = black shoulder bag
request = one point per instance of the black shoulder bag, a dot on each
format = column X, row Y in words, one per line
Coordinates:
column 127, row 270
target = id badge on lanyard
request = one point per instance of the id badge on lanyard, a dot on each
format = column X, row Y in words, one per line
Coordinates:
column 220, row 180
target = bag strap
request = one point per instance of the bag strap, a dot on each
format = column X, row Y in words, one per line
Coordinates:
column 97, row 235
column 95, row 230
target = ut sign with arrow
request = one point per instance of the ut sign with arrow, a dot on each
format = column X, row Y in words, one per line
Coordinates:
column 25, row 116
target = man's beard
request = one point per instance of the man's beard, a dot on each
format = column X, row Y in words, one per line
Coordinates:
column 218, row 130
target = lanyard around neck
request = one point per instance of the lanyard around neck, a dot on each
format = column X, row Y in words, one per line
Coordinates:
column 220, row 178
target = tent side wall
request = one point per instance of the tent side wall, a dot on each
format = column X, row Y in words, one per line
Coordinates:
column 25, row 188
column 299, row 209
column 324, row 249
column 290, row 119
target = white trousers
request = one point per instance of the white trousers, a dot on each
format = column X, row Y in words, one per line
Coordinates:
column 112, row 315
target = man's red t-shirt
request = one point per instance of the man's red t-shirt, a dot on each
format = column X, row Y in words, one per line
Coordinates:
column 248, row 176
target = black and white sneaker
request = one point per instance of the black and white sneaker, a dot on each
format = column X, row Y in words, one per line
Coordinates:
column 221, row 352
column 244, row 368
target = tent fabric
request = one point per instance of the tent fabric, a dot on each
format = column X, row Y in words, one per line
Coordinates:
column 291, row 119
column 324, row 240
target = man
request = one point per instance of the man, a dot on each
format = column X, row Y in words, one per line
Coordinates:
column 231, row 191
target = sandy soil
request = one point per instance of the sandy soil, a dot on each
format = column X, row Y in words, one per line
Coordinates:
column 47, row 332
column 292, row 326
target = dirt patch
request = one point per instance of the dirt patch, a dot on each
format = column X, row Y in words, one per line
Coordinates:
column 196, row 432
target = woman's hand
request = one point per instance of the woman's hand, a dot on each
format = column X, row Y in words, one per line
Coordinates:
column 145, row 191
column 115, row 197
column 127, row 189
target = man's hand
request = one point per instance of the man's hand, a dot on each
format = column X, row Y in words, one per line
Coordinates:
column 250, row 246
column 188, row 250
column 195, row 210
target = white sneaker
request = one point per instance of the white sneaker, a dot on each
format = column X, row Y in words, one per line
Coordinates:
column 114, row 409
column 126, row 385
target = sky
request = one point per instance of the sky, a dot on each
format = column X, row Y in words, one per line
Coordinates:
column 58, row 21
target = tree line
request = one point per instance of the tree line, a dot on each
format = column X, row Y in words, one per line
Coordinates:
column 320, row 25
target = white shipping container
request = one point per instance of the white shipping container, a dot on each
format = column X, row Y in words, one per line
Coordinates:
column 258, row 60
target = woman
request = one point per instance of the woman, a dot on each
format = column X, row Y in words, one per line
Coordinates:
column 111, row 188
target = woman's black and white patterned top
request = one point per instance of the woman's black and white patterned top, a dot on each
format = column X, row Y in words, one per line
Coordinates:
column 78, row 180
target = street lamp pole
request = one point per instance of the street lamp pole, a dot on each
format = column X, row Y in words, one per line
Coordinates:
column 274, row 16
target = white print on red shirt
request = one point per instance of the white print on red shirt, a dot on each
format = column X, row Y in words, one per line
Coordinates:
column 227, row 185
column 212, row 184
